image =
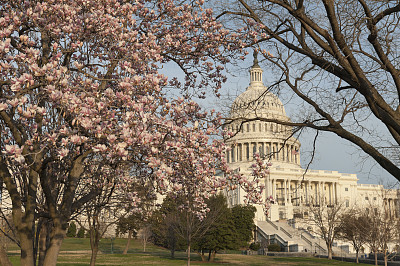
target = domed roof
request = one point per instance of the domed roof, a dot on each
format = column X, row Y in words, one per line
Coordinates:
column 257, row 101
column 253, row 133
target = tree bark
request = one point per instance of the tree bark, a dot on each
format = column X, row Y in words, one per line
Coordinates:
column 94, row 239
column 385, row 256
column 26, row 240
column 188, row 255
column 4, row 260
column 376, row 257
column 93, row 257
column 57, row 238
column 357, row 256
column 201, row 254
column 329, row 252
column 128, row 242
column 43, row 241
column 212, row 255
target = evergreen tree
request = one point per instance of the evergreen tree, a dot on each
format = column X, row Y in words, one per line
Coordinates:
column 243, row 219
column 221, row 235
column 81, row 233
column 71, row 230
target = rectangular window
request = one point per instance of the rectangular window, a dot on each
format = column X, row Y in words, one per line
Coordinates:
column 248, row 127
column 347, row 203
column 346, row 189
column 374, row 198
column 366, row 198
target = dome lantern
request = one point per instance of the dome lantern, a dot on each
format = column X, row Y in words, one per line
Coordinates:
column 255, row 73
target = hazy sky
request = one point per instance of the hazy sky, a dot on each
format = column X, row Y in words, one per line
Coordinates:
column 332, row 152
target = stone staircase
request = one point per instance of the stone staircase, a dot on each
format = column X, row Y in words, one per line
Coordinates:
column 292, row 239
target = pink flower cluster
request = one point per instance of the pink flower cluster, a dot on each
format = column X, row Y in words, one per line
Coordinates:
column 80, row 79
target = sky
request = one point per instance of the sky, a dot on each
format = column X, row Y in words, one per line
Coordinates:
column 332, row 153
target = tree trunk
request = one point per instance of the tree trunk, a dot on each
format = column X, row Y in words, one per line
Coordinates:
column 188, row 255
column 43, row 245
column 212, row 255
column 329, row 252
column 376, row 257
column 4, row 260
column 55, row 244
column 201, row 254
column 94, row 244
column 127, row 243
column 27, row 256
column 357, row 256
column 385, row 256
column 144, row 238
column 173, row 252
column 93, row 258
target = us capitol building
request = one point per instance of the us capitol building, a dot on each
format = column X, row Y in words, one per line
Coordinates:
column 292, row 188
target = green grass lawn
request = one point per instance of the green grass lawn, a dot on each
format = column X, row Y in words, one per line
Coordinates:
column 76, row 251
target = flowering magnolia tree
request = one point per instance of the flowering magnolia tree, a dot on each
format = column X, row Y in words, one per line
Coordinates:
column 80, row 90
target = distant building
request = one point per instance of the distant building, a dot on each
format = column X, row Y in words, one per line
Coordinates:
column 292, row 187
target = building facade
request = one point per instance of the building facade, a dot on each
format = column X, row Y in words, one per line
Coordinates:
column 253, row 118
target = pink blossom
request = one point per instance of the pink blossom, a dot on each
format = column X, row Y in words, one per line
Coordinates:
column 3, row 106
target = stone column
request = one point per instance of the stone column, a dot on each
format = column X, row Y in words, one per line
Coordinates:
column 308, row 192
column 251, row 148
column 247, row 151
column 285, row 190
column 274, row 190
column 289, row 193
column 269, row 186
column 335, row 192
column 291, row 153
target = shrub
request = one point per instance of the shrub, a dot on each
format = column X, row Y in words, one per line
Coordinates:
column 81, row 233
column 255, row 246
column 274, row 247
column 71, row 230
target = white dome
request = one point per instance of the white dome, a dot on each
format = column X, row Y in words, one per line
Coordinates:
column 253, row 132
column 258, row 102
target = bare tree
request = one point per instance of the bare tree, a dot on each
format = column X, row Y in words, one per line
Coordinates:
column 145, row 235
column 99, row 216
column 326, row 220
column 340, row 58
column 352, row 228
column 380, row 230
